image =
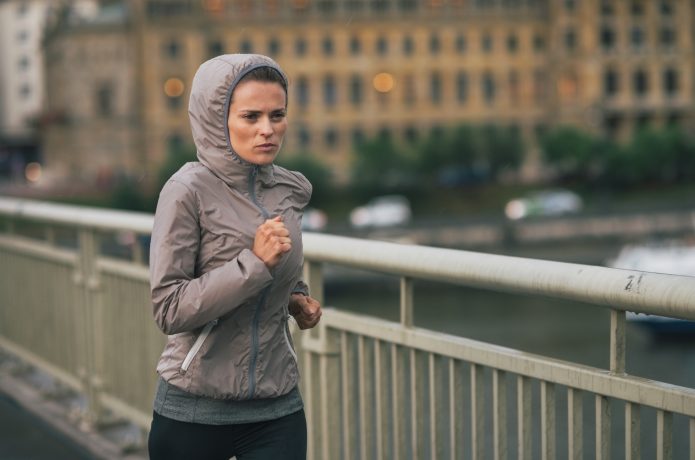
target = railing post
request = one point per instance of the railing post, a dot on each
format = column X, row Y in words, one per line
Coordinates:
column 407, row 309
column 324, row 421
column 91, row 321
column 617, row 357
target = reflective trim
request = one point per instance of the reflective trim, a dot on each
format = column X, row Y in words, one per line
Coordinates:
column 197, row 345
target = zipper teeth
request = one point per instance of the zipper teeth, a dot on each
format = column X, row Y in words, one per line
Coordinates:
column 197, row 345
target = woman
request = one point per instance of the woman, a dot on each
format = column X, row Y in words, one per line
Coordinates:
column 226, row 261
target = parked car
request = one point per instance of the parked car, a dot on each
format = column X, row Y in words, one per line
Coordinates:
column 544, row 203
column 314, row 220
column 383, row 211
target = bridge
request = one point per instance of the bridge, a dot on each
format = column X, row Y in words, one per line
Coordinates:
column 74, row 303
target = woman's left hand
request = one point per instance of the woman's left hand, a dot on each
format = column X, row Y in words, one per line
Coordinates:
column 306, row 310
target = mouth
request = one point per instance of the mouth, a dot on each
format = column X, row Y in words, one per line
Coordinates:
column 267, row 146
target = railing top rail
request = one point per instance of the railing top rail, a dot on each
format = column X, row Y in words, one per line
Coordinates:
column 645, row 292
column 81, row 216
column 653, row 293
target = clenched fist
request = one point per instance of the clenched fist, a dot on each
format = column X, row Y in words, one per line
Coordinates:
column 306, row 310
column 272, row 240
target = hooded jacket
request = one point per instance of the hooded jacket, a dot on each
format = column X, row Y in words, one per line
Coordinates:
column 224, row 312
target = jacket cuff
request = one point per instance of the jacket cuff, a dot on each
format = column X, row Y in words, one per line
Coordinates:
column 301, row 288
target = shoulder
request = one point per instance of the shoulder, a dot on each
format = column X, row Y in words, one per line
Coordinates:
column 299, row 184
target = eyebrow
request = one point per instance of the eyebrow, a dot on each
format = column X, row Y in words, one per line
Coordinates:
column 255, row 111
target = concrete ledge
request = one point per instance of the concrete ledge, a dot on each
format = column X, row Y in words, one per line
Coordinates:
column 57, row 410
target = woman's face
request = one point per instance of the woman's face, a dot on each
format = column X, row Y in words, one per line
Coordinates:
column 257, row 120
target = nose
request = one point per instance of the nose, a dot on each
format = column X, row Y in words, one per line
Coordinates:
column 265, row 127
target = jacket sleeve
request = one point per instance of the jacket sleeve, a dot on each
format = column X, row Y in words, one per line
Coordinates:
column 181, row 302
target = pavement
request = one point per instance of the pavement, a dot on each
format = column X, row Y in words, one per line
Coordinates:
column 40, row 419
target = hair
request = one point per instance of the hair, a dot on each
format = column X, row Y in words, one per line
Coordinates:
column 264, row 74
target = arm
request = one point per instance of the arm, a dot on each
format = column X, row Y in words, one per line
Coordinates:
column 180, row 301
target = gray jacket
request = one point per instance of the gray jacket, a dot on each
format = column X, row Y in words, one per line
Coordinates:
column 224, row 312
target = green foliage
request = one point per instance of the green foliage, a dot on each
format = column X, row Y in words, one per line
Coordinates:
column 380, row 166
column 176, row 158
column 500, row 149
column 572, row 152
column 315, row 171
column 128, row 195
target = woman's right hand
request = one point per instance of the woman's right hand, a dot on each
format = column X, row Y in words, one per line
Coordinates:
column 272, row 241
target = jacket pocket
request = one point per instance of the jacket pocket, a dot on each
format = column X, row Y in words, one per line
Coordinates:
column 197, row 345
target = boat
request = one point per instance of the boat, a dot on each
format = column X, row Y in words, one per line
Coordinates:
column 673, row 257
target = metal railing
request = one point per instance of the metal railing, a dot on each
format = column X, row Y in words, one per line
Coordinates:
column 372, row 388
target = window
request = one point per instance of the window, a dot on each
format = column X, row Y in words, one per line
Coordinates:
column 300, row 46
column 246, row 46
column 671, row 82
column 327, row 46
column 570, row 5
column 538, row 43
column 637, row 37
column 25, row 91
column 570, row 39
column 407, row 5
column 104, row 100
column 607, row 38
column 607, row 8
column 215, row 48
column 23, row 63
column 410, row 134
column 354, row 5
column 382, row 46
column 356, row 90
column 172, row 49
column 408, row 45
column 327, row 7
column 175, row 142
column 304, row 137
column 357, row 136
column 666, row 7
column 640, row 82
column 514, row 90
column 460, row 43
column 330, row 96
column 409, row 94
column 667, row 37
column 487, row 43
column 302, row 92
column 331, row 137
column 637, row 8
column 380, row 6
column 610, row 83
column 435, row 44
column 512, row 43
column 22, row 36
column 355, row 46
column 436, row 88
column 540, row 86
column 489, row 89
column 22, row 9
column 462, row 87
column 274, row 47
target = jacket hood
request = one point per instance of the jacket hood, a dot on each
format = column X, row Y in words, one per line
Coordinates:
column 208, row 109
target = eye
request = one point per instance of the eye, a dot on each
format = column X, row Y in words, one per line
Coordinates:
column 278, row 115
column 250, row 116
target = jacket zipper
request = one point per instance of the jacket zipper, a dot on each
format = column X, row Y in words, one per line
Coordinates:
column 197, row 345
column 257, row 311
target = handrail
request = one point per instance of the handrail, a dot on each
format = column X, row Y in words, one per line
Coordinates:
column 633, row 290
column 81, row 216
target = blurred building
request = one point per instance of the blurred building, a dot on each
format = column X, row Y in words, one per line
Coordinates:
column 21, row 82
column 118, row 85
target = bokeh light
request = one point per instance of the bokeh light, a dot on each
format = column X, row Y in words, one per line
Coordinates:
column 32, row 172
column 383, row 82
column 174, row 87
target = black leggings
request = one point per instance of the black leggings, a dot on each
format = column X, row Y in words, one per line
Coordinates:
column 283, row 438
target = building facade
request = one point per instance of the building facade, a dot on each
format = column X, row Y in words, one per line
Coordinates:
column 359, row 68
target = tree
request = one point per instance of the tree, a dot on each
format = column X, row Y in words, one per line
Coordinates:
column 501, row 149
column 379, row 166
column 573, row 153
column 315, row 171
